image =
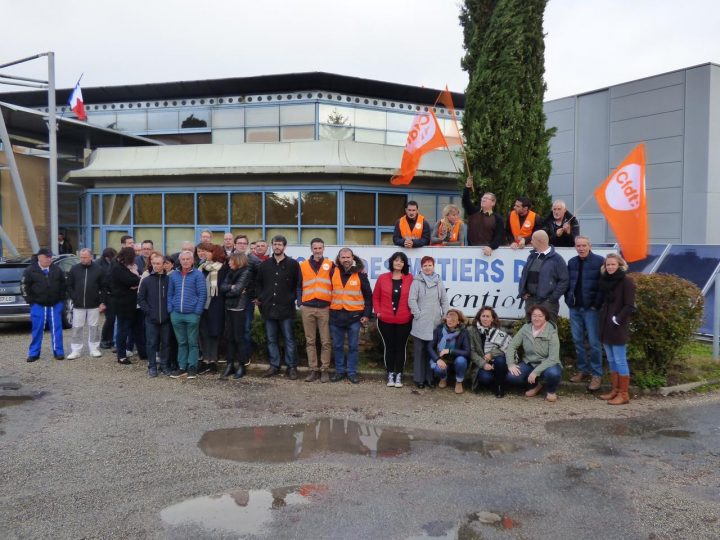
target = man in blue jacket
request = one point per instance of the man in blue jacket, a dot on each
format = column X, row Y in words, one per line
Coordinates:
column 186, row 300
column 584, row 299
column 544, row 278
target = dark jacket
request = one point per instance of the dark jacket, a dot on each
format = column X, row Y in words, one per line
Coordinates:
column 553, row 279
column 620, row 303
column 462, row 346
column 234, row 287
column 276, row 286
column 37, row 288
column 343, row 317
column 213, row 322
column 124, row 284
column 152, row 297
column 565, row 240
column 86, row 285
column 470, row 211
column 591, row 297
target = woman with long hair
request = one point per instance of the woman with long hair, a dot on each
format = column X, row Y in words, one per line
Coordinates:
column 234, row 290
column 450, row 346
column 428, row 303
column 488, row 344
column 212, row 321
column 125, row 280
column 390, row 302
column 618, row 290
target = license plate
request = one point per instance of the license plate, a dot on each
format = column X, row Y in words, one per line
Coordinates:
column 7, row 299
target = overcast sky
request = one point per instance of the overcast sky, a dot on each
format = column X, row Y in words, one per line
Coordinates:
column 590, row 44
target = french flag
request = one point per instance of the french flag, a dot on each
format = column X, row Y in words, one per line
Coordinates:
column 76, row 102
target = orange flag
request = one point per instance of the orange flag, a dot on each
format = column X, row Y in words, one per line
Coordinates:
column 622, row 199
column 424, row 135
column 453, row 137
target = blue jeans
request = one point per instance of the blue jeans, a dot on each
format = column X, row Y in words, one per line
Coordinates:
column 158, row 343
column 586, row 320
column 550, row 378
column 41, row 317
column 337, row 334
column 495, row 376
column 617, row 358
column 272, row 328
column 460, row 363
column 125, row 324
column 185, row 326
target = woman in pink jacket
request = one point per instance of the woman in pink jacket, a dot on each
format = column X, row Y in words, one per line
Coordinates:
column 390, row 303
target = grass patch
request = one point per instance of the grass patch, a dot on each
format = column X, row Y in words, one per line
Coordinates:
column 695, row 363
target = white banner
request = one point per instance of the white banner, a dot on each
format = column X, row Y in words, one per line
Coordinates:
column 471, row 279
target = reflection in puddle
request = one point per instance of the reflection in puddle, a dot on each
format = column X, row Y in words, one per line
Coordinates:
column 328, row 435
column 677, row 433
column 241, row 511
column 619, row 427
column 7, row 402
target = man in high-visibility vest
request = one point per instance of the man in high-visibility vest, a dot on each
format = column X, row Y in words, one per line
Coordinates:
column 412, row 230
column 522, row 223
column 314, row 295
column 350, row 307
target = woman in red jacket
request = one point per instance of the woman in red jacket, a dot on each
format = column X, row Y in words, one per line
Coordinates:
column 390, row 303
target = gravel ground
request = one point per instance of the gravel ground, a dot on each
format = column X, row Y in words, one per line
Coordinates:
column 104, row 449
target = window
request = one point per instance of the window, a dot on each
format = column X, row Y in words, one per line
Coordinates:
column 359, row 209
column 281, row 208
column 116, row 209
column 228, row 136
column 319, row 208
column 337, row 116
column 290, row 234
column 163, row 120
column 228, row 118
column 329, row 236
column 148, row 209
column 360, row 237
column 175, row 236
column 297, row 114
column 140, row 234
column 194, row 118
column 132, row 121
column 368, row 118
column 262, row 116
column 212, row 208
column 390, row 208
column 369, row 136
column 261, row 135
column 246, row 208
column 95, row 209
column 180, row 210
column 297, row 133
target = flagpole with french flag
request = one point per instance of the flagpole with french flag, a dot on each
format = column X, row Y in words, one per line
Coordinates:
column 77, row 105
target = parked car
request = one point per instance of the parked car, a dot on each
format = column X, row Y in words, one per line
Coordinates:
column 13, row 307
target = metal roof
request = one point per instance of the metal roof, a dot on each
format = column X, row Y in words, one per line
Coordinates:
column 286, row 82
column 28, row 127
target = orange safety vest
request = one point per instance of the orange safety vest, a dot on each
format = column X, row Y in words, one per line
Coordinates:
column 316, row 286
column 348, row 297
column 454, row 234
column 416, row 232
column 527, row 227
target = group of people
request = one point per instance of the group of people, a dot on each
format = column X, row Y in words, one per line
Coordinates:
column 175, row 309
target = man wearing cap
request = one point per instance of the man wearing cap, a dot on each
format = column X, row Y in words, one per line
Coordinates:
column 43, row 287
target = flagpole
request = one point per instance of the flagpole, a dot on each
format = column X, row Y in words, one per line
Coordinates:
column 462, row 145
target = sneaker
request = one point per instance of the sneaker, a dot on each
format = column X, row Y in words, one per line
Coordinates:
column 124, row 361
column 391, row 380
column 167, row 373
column 153, row 372
column 578, row 377
column 353, row 379
column 595, row 383
column 32, row 358
column 59, row 357
column 129, row 354
column 178, row 374
column 398, row 380
column 192, row 373
column 203, row 368
column 95, row 354
column 73, row 355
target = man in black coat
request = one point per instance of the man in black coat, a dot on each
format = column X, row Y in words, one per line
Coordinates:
column 86, row 284
column 276, row 283
column 153, row 301
column 43, row 287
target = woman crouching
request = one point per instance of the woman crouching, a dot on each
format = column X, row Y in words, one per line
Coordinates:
column 540, row 364
column 450, row 346
column 488, row 344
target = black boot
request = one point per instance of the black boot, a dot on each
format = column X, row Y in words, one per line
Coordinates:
column 229, row 369
column 500, row 391
column 240, row 373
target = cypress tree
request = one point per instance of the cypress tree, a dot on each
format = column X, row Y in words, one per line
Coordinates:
column 504, row 121
column 474, row 18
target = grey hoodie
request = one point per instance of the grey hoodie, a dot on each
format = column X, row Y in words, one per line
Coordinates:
column 428, row 303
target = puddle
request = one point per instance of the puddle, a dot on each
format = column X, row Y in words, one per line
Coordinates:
column 272, row 444
column 242, row 512
column 10, row 401
column 677, row 433
column 619, row 427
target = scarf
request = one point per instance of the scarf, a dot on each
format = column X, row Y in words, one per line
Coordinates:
column 447, row 341
column 212, row 269
column 609, row 282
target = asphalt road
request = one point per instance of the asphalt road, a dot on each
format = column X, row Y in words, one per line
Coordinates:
column 103, row 451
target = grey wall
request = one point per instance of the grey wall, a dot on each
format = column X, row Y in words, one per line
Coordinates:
column 677, row 115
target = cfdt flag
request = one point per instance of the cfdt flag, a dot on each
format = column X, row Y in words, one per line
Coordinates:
column 622, row 199
column 77, row 105
column 424, row 135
